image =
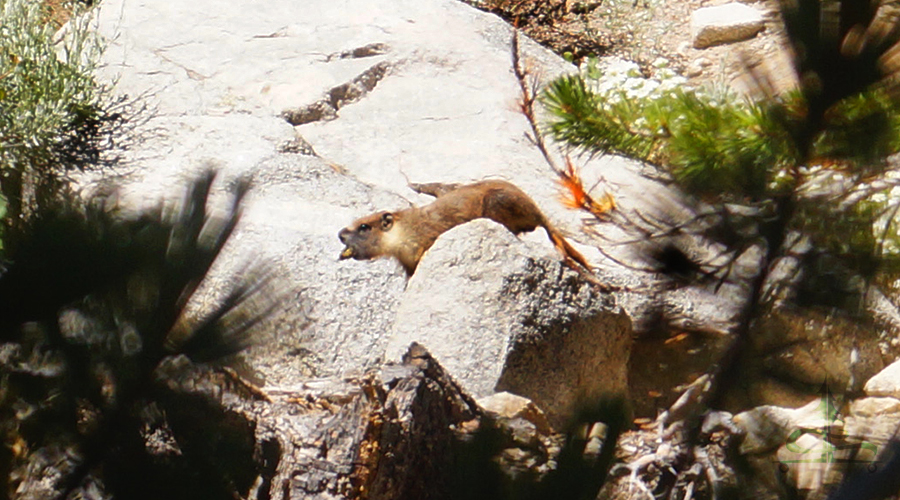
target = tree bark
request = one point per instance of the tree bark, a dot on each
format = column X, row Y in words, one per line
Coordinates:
column 391, row 434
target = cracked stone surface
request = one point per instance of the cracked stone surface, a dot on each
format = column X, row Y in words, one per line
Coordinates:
column 405, row 91
column 327, row 107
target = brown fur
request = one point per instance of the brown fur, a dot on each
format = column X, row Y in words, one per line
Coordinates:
column 407, row 234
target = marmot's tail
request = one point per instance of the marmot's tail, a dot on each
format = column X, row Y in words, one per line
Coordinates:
column 566, row 249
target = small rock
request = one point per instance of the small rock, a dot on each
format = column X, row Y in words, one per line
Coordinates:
column 516, row 461
column 508, row 405
column 524, row 434
column 886, row 382
column 694, row 69
column 469, row 427
column 596, row 436
column 723, row 24
column 806, row 470
column 812, row 440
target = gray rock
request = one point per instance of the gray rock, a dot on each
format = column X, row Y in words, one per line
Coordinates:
column 764, row 427
column 499, row 319
column 381, row 93
column 696, row 67
column 816, row 455
column 723, row 24
column 874, row 407
column 401, row 88
column 803, row 465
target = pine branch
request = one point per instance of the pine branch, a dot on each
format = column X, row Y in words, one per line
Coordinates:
column 529, row 93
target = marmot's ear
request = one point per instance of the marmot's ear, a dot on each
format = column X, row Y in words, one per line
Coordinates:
column 387, row 220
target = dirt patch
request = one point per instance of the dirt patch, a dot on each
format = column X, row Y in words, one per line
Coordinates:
column 58, row 12
column 653, row 33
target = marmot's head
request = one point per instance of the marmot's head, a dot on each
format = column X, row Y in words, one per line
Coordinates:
column 365, row 238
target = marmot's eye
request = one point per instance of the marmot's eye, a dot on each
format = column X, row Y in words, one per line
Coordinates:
column 364, row 228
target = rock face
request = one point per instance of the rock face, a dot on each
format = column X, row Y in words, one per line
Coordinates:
column 873, row 420
column 723, row 24
column 498, row 319
column 330, row 107
column 768, row 427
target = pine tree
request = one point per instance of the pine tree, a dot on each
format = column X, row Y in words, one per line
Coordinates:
column 805, row 183
column 808, row 168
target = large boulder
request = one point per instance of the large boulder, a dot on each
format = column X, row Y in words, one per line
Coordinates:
column 500, row 319
column 330, row 107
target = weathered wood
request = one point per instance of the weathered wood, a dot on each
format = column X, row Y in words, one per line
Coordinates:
column 390, row 434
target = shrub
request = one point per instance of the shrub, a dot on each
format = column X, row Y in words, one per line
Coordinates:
column 54, row 116
column 109, row 385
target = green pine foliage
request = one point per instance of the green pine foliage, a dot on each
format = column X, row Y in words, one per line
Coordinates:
column 795, row 195
column 792, row 198
column 722, row 146
column 835, row 185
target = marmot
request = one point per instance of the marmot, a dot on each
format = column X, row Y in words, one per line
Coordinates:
column 407, row 234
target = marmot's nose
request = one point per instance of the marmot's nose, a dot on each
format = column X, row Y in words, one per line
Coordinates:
column 343, row 235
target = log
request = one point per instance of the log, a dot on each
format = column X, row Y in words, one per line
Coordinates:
column 390, row 434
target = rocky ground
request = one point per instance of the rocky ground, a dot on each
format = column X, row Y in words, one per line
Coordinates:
column 333, row 107
column 653, row 33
